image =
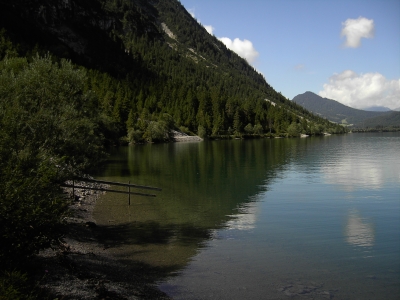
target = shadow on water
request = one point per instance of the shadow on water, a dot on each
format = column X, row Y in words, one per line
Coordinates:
column 205, row 187
column 159, row 249
column 150, row 232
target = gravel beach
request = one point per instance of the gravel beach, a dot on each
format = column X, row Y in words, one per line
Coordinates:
column 83, row 268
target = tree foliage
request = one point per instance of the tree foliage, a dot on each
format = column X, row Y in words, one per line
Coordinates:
column 48, row 133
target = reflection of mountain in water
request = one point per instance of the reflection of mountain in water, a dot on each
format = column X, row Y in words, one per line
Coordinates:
column 206, row 186
column 358, row 232
column 213, row 185
column 202, row 182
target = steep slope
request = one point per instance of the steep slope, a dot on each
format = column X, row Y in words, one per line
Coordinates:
column 153, row 68
column 335, row 111
column 82, row 31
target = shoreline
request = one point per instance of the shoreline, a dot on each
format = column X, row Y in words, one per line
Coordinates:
column 84, row 268
column 180, row 137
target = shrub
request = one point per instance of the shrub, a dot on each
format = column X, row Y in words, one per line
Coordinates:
column 156, row 132
column 294, row 129
column 14, row 285
column 249, row 129
column 48, row 133
column 258, row 129
column 201, row 132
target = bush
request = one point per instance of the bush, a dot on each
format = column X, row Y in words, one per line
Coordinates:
column 249, row 129
column 258, row 129
column 201, row 132
column 48, row 133
column 294, row 129
column 135, row 136
column 157, row 132
column 14, row 285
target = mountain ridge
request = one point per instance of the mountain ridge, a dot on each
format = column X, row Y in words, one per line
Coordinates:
column 377, row 108
column 148, row 59
column 336, row 111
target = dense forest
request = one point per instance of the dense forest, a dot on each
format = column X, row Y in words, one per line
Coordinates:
column 79, row 76
column 147, row 81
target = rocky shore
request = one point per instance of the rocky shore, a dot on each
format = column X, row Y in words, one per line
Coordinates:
column 83, row 268
column 183, row 137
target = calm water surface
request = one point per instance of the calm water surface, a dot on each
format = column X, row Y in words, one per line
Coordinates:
column 314, row 218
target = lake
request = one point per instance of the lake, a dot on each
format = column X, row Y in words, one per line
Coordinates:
column 309, row 218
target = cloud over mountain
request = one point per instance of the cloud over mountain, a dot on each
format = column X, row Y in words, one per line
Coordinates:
column 356, row 29
column 243, row 48
column 209, row 29
column 362, row 90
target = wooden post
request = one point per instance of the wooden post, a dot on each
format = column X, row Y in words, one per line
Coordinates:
column 129, row 192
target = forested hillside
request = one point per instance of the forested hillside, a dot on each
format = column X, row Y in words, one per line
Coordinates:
column 153, row 67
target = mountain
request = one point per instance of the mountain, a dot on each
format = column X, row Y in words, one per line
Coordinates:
column 153, row 68
column 377, row 108
column 388, row 120
column 335, row 111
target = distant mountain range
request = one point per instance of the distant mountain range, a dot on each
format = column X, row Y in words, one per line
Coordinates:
column 377, row 108
column 386, row 120
column 342, row 114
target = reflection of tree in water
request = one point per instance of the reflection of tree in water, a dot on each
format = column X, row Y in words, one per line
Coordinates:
column 358, row 232
column 206, row 186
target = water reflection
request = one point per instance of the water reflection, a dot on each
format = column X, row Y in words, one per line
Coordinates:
column 288, row 221
column 205, row 187
column 352, row 173
column 362, row 164
column 245, row 219
column 358, row 231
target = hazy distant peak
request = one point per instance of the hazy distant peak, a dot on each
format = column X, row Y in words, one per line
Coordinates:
column 342, row 114
column 377, row 108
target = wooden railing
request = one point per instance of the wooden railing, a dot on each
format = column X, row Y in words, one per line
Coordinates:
column 128, row 185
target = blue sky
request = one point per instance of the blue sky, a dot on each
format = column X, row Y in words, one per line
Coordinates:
column 348, row 51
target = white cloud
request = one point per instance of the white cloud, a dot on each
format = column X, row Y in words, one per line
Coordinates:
column 355, row 29
column 243, row 48
column 245, row 219
column 358, row 232
column 209, row 29
column 191, row 12
column 362, row 90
